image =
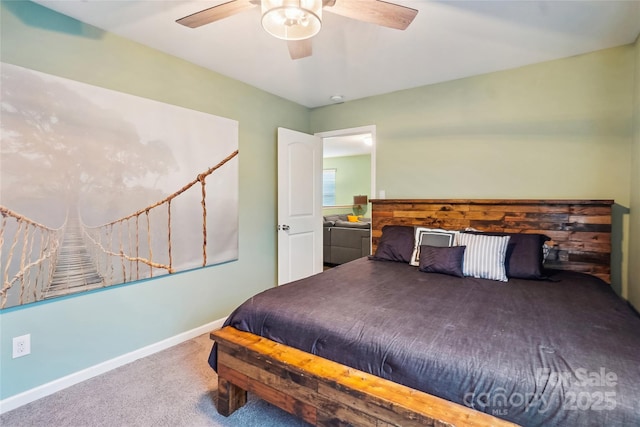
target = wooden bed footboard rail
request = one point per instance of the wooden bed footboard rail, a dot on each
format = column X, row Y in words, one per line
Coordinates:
column 323, row 392
column 580, row 230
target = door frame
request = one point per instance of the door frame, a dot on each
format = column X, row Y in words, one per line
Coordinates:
column 371, row 129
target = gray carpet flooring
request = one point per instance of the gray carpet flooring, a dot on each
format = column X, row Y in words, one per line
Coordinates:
column 174, row 387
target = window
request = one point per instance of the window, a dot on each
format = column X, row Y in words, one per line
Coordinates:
column 329, row 187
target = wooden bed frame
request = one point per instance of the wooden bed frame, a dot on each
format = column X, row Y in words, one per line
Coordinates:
column 323, row 392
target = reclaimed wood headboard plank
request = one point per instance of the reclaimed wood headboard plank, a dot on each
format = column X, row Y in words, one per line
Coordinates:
column 580, row 229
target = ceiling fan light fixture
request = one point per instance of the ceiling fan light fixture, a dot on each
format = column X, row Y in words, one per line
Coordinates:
column 292, row 19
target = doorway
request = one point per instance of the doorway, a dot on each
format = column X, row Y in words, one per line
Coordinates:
column 353, row 142
column 348, row 179
column 301, row 146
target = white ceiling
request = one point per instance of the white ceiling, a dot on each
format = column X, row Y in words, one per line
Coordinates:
column 351, row 145
column 447, row 40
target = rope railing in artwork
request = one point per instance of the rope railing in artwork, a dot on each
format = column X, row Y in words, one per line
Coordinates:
column 102, row 237
column 97, row 256
column 37, row 245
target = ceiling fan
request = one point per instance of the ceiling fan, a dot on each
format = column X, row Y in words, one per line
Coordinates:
column 296, row 21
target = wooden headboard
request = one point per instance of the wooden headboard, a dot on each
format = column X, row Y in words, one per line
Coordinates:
column 580, row 229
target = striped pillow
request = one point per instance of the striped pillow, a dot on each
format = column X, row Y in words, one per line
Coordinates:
column 485, row 256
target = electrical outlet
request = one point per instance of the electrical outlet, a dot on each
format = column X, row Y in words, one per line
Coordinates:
column 21, row 345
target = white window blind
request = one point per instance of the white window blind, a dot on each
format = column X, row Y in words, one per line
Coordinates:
column 329, row 187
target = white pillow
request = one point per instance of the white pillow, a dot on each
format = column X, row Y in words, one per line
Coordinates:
column 485, row 256
column 431, row 237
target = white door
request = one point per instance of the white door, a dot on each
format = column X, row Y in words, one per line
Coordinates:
column 299, row 205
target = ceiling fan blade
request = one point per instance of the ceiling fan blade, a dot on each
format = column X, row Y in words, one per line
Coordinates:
column 216, row 13
column 375, row 11
column 299, row 48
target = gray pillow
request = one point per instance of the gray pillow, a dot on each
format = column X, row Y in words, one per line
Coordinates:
column 336, row 217
column 395, row 244
column 349, row 224
column 442, row 259
column 431, row 237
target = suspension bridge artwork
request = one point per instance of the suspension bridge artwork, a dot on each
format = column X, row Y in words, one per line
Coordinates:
column 100, row 188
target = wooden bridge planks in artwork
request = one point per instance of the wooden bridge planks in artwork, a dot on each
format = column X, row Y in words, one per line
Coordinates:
column 75, row 269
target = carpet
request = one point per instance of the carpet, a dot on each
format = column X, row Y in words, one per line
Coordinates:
column 174, row 387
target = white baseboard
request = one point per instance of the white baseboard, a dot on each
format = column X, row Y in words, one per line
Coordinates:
column 43, row 390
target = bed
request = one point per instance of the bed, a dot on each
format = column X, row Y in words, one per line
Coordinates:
column 379, row 342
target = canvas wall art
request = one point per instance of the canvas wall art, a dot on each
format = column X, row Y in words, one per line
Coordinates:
column 100, row 188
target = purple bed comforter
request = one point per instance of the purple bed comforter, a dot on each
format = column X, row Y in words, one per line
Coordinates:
column 564, row 352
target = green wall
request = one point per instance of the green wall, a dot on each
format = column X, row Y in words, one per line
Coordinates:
column 560, row 129
column 634, row 227
column 68, row 335
column 353, row 177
